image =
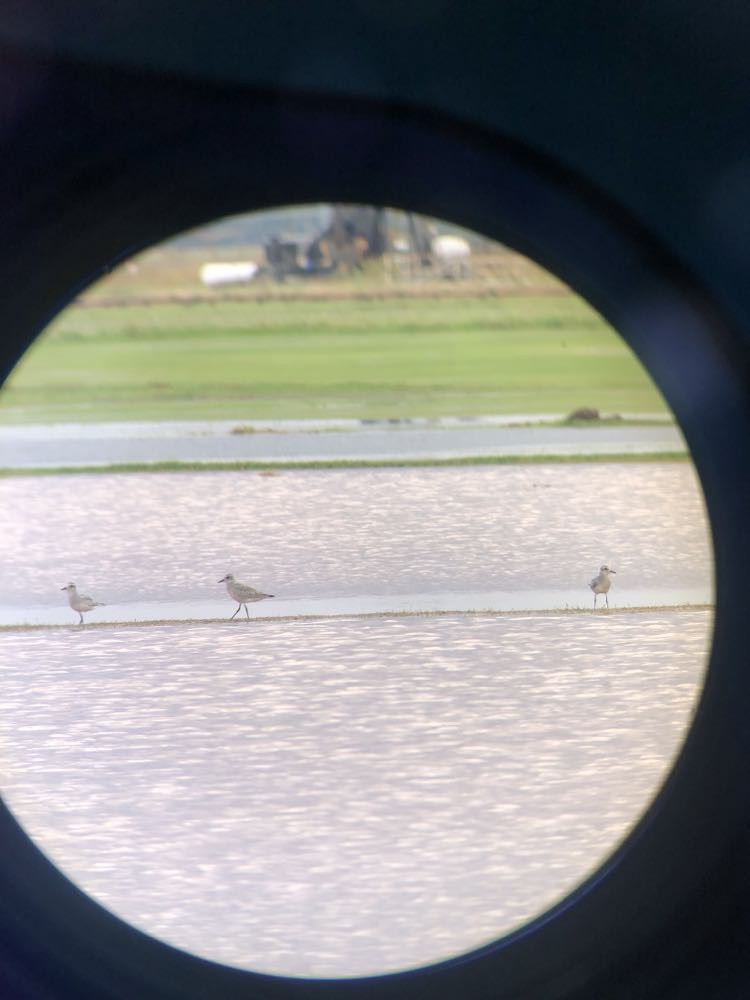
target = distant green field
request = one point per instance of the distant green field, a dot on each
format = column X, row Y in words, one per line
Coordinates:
column 374, row 358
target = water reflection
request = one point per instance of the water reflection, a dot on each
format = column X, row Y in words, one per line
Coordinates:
column 341, row 797
column 339, row 535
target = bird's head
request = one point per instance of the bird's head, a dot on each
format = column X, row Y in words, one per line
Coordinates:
column 227, row 579
column 70, row 586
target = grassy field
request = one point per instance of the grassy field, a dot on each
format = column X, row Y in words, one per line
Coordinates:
column 362, row 358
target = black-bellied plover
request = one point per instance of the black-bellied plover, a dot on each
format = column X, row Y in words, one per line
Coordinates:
column 241, row 593
column 601, row 584
column 80, row 602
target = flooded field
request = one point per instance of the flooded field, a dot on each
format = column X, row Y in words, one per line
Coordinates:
column 34, row 446
column 342, row 797
column 475, row 538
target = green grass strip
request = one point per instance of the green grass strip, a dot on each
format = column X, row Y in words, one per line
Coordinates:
column 356, row 463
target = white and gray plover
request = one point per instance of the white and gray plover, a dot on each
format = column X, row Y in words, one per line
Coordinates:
column 601, row 584
column 241, row 593
column 80, row 602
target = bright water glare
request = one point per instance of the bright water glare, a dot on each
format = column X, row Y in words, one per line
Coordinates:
column 348, row 796
column 353, row 538
column 419, row 784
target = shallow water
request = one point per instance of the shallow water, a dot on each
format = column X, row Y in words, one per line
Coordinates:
column 344, row 796
column 80, row 444
column 341, row 797
column 353, row 540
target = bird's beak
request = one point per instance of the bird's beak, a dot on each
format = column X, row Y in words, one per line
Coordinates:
column 63, row 588
column 223, row 580
column 613, row 571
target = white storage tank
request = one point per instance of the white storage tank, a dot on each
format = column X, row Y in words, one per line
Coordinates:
column 228, row 273
column 451, row 256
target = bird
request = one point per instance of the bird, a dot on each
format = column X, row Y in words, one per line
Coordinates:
column 601, row 584
column 80, row 602
column 241, row 593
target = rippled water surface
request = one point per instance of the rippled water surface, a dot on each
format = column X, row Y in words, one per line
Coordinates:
column 345, row 796
column 339, row 535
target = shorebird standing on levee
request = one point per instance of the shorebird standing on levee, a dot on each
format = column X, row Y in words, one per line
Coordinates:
column 241, row 593
column 601, row 584
column 79, row 602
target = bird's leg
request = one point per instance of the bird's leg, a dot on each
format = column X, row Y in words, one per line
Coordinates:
column 606, row 598
column 594, row 602
column 247, row 612
column 235, row 614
